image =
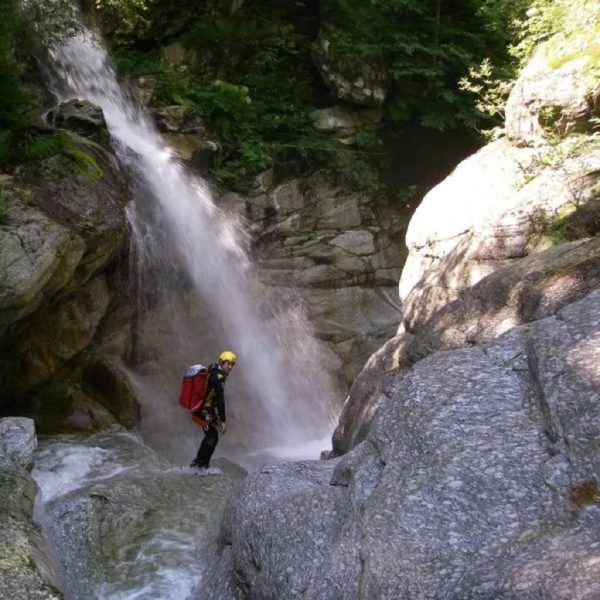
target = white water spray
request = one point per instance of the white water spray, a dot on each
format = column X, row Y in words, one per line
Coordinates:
column 281, row 394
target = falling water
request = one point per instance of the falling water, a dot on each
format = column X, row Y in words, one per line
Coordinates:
column 206, row 295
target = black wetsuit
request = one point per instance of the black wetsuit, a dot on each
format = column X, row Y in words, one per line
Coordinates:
column 213, row 411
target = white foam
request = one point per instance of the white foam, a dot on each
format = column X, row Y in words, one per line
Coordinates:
column 62, row 467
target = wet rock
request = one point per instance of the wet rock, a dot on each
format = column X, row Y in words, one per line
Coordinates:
column 149, row 510
column 24, row 561
column 53, row 336
column 17, row 442
column 145, row 87
column 65, row 228
column 103, row 381
column 170, row 118
column 81, row 117
column 448, row 495
column 38, row 256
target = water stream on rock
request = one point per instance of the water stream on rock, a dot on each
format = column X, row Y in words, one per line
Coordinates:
column 125, row 524
column 121, row 524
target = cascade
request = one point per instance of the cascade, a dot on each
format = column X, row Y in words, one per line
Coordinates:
column 200, row 290
column 120, row 519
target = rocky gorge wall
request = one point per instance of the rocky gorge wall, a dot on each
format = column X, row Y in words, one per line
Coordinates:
column 64, row 232
column 466, row 456
column 67, row 313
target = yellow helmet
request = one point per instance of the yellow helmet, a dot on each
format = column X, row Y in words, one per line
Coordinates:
column 229, row 356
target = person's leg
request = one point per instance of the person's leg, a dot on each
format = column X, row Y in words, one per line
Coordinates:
column 207, row 447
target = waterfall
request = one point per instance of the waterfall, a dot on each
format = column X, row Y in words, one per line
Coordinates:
column 205, row 294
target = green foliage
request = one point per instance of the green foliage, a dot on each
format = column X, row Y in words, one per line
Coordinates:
column 426, row 49
column 446, row 64
column 5, row 145
column 366, row 140
column 544, row 18
column 258, row 104
column 573, row 27
column 44, row 146
column 135, row 63
column 72, row 157
column 127, row 16
column 15, row 102
column 490, row 88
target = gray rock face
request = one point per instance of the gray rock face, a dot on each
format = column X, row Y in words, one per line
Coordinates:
column 23, row 556
column 344, row 121
column 530, row 289
column 17, row 442
column 478, row 478
column 81, row 117
column 65, row 226
column 137, row 524
column 54, row 335
column 339, row 249
column 500, row 204
column 37, row 257
column 369, row 391
column 535, row 287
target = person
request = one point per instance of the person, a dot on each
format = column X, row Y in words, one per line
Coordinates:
column 213, row 408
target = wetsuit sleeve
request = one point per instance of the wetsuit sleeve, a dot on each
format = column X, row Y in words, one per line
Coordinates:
column 215, row 384
column 220, row 400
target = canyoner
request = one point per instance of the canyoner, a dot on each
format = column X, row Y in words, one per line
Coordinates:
column 203, row 395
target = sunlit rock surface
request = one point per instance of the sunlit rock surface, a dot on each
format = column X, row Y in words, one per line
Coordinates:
column 532, row 288
column 558, row 92
column 509, row 199
column 495, row 208
column 478, row 478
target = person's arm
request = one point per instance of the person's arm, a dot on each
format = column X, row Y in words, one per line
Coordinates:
column 220, row 401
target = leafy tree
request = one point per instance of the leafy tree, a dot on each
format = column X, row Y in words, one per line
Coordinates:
column 572, row 26
column 15, row 102
column 427, row 46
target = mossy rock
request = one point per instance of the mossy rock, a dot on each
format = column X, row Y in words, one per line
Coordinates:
column 82, row 118
column 62, row 407
column 106, row 383
column 583, row 222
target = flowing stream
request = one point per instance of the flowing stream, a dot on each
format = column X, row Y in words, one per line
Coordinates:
column 110, row 514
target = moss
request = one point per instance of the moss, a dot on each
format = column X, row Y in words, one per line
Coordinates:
column 564, row 49
column 3, row 210
column 83, row 163
column 72, row 157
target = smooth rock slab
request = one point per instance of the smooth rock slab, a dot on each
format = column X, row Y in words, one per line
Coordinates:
column 478, row 479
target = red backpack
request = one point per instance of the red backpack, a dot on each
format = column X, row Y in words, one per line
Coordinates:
column 193, row 388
